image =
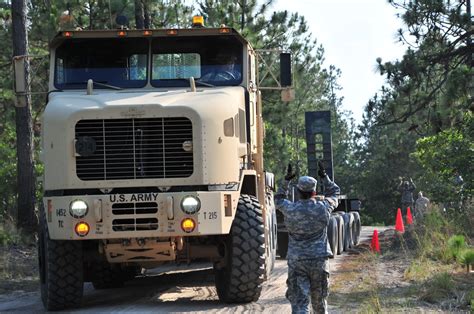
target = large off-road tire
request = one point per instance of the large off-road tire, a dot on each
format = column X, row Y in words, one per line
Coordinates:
column 282, row 244
column 348, row 225
column 61, row 270
column 332, row 235
column 107, row 276
column 240, row 280
column 356, row 228
column 340, row 234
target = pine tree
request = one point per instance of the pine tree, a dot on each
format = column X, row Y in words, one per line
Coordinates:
column 26, row 219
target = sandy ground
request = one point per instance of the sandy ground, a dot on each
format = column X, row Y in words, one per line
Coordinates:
column 178, row 292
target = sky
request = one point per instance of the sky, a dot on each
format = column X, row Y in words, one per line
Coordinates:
column 354, row 33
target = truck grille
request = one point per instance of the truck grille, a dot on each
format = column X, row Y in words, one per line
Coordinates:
column 133, row 149
column 134, row 216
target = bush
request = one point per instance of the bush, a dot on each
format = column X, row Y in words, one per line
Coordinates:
column 456, row 244
column 466, row 258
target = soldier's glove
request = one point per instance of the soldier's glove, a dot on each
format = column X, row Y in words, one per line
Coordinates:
column 321, row 171
column 290, row 173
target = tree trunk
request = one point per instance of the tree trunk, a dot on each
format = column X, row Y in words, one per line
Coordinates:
column 147, row 16
column 26, row 219
column 139, row 14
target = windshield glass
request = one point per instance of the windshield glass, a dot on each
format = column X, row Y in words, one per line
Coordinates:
column 216, row 60
column 117, row 62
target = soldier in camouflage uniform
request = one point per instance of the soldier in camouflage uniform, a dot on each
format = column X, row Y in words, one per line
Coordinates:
column 308, row 249
column 407, row 188
column 421, row 206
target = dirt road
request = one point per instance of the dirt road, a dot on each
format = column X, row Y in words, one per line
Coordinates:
column 178, row 292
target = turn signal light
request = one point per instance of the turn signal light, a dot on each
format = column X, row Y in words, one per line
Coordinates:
column 121, row 33
column 147, row 33
column 82, row 229
column 188, row 225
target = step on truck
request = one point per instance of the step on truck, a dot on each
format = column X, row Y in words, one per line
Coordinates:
column 152, row 149
column 344, row 224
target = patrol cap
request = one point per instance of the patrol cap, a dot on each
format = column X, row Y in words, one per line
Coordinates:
column 307, row 184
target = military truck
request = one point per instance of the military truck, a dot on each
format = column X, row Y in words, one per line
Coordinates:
column 345, row 224
column 152, row 149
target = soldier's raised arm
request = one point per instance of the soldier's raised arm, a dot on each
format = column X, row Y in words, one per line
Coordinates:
column 281, row 196
column 331, row 189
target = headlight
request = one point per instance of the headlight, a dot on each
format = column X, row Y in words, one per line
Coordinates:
column 78, row 209
column 190, row 205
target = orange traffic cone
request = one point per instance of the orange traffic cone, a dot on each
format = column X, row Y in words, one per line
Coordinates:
column 399, row 222
column 409, row 217
column 375, row 246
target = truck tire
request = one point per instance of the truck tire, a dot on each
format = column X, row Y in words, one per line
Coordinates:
column 240, row 280
column 356, row 228
column 332, row 235
column 340, row 234
column 61, row 270
column 348, row 224
column 282, row 244
column 107, row 276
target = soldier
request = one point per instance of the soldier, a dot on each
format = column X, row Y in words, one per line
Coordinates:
column 407, row 189
column 308, row 248
column 421, row 206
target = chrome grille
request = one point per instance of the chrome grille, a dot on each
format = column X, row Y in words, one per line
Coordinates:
column 134, row 216
column 134, row 149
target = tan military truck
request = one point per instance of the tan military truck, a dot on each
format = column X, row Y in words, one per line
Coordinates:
column 152, row 150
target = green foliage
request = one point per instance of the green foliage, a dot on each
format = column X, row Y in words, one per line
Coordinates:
column 444, row 156
column 9, row 235
column 466, row 257
column 456, row 244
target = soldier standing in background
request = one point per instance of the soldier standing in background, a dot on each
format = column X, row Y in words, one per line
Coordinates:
column 421, row 206
column 407, row 188
column 308, row 249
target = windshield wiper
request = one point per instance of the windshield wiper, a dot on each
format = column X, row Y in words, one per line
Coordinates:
column 103, row 84
column 196, row 81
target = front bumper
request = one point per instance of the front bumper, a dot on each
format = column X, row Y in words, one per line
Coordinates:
column 140, row 215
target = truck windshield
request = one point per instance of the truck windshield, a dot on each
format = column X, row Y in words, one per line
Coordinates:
column 215, row 60
column 120, row 63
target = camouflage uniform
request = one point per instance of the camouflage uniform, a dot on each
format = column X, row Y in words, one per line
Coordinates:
column 421, row 206
column 407, row 189
column 308, row 249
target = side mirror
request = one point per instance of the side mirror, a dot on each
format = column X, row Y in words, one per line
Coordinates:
column 20, row 87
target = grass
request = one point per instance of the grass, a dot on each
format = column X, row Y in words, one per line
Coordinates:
column 437, row 288
column 419, row 271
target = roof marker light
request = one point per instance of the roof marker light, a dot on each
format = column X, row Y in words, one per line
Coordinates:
column 198, row 21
